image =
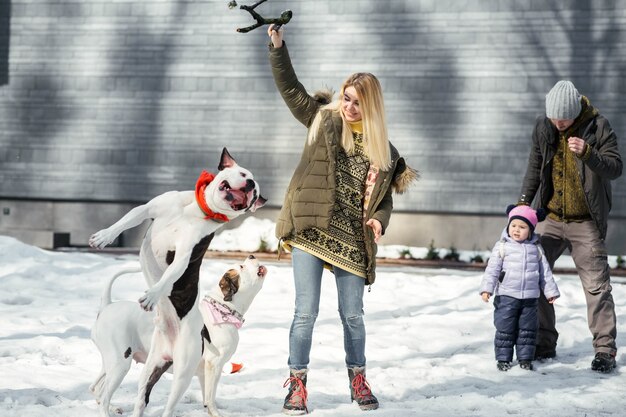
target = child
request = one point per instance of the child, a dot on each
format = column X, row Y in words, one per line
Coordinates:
column 516, row 273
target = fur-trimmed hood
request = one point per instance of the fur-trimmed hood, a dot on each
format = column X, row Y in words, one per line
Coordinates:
column 404, row 178
column 324, row 96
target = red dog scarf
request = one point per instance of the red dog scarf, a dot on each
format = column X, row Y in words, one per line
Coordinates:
column 205, row 179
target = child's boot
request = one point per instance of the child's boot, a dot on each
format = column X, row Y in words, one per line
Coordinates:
column 504, row 365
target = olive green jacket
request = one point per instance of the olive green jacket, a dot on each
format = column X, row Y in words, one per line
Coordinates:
column 310, row 197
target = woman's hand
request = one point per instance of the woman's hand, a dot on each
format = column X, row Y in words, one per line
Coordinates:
column 551, row 300
column 377, row 228
column 276, row 36
column 485, row 296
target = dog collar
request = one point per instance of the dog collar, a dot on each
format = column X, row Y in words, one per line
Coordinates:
column 221, row 313
column 205, row 179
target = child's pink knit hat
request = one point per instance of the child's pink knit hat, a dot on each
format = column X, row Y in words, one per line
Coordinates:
column 526, row 214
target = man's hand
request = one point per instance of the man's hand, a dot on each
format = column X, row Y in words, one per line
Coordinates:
column 576, row 145
column 485, row 296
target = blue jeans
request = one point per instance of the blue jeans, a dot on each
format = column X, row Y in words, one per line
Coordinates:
column 307, row 273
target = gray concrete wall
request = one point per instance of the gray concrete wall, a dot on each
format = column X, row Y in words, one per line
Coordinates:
column 5, row 38
column 119, row 101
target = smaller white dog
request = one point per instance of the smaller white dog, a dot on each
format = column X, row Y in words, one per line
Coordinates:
column 123, row 333
column 222, row 310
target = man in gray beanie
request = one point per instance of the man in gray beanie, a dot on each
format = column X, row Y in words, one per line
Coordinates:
column 572, row 161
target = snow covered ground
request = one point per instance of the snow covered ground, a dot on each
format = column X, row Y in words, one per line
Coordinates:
column 429, row 349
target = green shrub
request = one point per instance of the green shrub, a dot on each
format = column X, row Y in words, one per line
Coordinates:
column 452, row 255
column 478, row 259
column 264, row 247
column 433, row 253
column 405, row 253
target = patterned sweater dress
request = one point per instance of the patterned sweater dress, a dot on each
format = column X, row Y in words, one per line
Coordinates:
column 342, row 244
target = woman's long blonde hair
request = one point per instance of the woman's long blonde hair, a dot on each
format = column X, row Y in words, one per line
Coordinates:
column 372, row 109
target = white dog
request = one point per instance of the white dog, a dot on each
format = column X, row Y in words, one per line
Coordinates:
column 222, row 310
column 123, row 332
column 183, row 224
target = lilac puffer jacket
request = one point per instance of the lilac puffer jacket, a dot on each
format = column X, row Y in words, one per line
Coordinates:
column 526, row 270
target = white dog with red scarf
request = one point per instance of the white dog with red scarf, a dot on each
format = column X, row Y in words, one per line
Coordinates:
column 183, row 224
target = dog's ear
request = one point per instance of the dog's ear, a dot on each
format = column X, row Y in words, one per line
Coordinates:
column 229, row 284
column 260, row 202
column 226, row 161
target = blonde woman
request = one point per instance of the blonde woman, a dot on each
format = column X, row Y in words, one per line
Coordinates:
column 337, row 206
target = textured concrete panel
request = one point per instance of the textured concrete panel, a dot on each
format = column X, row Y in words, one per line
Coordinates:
column 120, row 101
column 5, row 40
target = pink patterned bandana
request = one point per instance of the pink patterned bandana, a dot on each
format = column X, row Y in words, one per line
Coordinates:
column 221, row 313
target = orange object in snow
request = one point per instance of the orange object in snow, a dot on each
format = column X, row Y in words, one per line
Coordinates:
column 235, row 367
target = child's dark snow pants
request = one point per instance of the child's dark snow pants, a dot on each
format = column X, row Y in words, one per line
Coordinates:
column 516, row 325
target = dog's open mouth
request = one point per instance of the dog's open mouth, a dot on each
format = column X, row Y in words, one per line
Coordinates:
column 237, row 198
column 262, row 271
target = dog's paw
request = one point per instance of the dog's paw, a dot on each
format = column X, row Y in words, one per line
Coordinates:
column 101, row 239
column 149, row 299
column 213, row 411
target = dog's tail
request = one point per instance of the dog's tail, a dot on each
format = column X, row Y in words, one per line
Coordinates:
column 105, row 300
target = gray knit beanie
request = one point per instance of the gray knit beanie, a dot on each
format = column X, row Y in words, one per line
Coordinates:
column 563, row 101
